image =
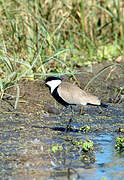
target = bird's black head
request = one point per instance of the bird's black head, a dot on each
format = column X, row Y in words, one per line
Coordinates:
column 52, row 78
column 52, row 83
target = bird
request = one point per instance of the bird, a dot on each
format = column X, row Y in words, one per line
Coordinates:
column 67, row 94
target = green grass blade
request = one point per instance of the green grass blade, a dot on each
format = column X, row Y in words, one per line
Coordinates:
column 17, row 96
column 100, row 72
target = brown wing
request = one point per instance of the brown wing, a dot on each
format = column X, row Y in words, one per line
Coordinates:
column 74, row 95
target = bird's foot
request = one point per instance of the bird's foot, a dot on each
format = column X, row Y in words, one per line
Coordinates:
column 68, row 126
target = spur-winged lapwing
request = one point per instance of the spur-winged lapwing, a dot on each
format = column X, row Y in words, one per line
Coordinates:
column 68, row 94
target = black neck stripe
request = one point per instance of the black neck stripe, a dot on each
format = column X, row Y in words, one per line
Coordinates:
column 58, row 98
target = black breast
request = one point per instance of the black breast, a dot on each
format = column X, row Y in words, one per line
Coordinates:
column 58, row 98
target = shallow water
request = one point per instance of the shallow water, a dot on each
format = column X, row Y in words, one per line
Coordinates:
column 28, row 152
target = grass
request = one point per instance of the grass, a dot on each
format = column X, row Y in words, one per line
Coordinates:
column 120, row 144
column 39, row 38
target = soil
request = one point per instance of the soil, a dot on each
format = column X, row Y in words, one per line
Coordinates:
column 30, row 134
column 35, row 98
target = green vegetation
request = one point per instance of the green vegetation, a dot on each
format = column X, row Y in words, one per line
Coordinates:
column 84, row 146
column 38, row 37
column 85, row 128
column 103, row 178
column 120, row 144
column 76, row 144
column 87, row 146
column 75, row 147
column 57, row 148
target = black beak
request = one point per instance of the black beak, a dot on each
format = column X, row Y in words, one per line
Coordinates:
column 42, row 84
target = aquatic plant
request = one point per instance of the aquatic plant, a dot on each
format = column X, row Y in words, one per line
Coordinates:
column 119, row 144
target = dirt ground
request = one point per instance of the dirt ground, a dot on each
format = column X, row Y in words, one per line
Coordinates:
column 35, row 99
column 29, row 133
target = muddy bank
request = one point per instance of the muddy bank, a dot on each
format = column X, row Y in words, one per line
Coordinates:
column 34, row 98
column 33, row 142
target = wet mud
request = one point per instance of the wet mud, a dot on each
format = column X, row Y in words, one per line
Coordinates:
column 34, row 143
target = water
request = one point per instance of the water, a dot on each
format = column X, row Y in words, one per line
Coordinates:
column 27, row 152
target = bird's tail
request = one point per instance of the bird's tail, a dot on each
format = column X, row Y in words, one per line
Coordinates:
column 103, row 105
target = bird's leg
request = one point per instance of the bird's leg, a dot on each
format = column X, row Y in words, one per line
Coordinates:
column 68, row 127
column 81, row 111
column 99, row 109
column 70, row 120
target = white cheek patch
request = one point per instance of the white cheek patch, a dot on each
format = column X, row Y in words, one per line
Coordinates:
column 53, row 84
